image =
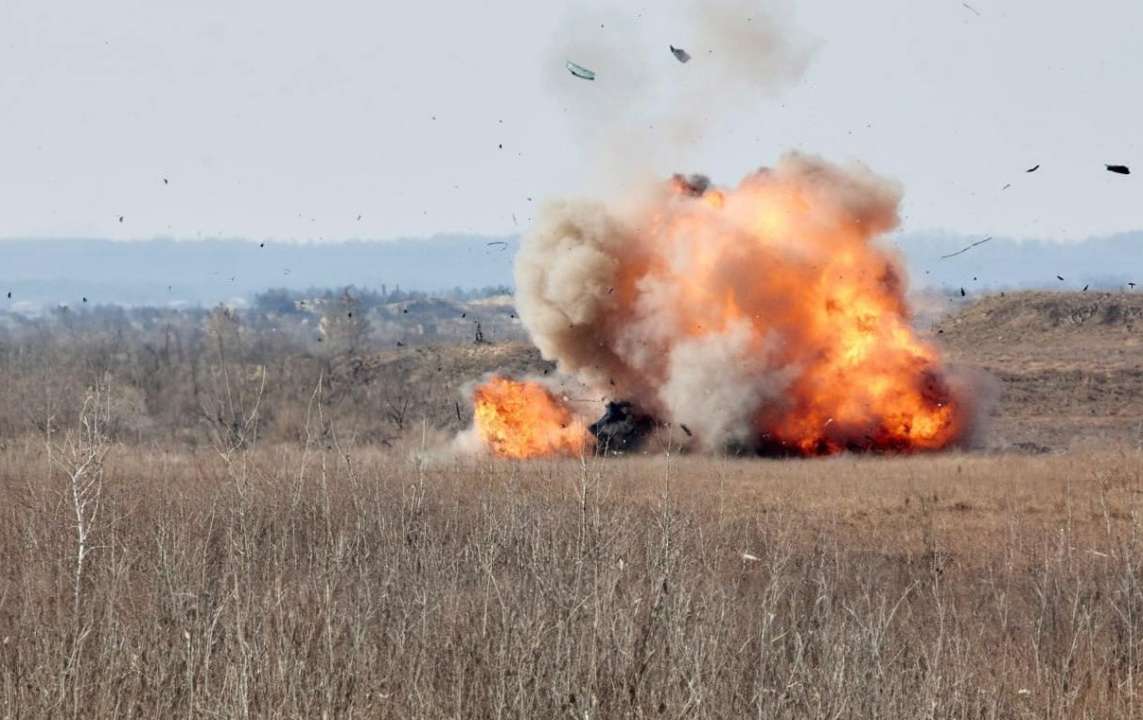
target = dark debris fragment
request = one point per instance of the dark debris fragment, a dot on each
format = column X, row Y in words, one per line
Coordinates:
column 964, row 250
column 580, row 71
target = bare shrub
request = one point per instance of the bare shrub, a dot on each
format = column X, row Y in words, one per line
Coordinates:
column 340, row 581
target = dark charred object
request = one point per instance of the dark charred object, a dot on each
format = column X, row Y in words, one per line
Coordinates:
column 622, row 428
column 692, row 185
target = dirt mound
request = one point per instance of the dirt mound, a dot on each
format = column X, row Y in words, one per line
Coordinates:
column 1043, row 330
column 1069, row 364
column 1044, row 311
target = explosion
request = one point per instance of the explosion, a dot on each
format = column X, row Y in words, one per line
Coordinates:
column 761, row 317
column 524, row 419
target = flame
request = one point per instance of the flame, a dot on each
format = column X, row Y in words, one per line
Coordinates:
column 865, row 380
column 764, row 315
column 518, row 419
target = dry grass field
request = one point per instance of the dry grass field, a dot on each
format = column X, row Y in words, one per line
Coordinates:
column 336, row 576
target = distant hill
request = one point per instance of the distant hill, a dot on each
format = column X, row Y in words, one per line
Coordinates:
column 1003, row 263
column 170, row 272
column 204, row 272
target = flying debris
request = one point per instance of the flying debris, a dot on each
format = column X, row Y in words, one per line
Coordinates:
column 503, row 244
column 1060, row 278
column 962, row 292
column 687, row 430
column 974, row 10
column 1006, row 186
column 693, row 185
column 1084, row 288
column 1121, row 169
column 1033, row 169
column 680, row 54
column 121, row 217
column 964, row 250
column 1131, row 284
column 166, row 182
column 580, row 71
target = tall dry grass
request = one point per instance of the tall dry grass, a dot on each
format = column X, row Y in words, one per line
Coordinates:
column 321, row 580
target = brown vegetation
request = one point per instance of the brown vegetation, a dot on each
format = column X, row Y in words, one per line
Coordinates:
column 313, row 582
column 252, row 534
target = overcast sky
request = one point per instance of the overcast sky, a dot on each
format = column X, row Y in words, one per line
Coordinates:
column 274, row 119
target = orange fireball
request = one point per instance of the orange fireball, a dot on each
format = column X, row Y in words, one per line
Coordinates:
column 765, row 316
column 517, row 419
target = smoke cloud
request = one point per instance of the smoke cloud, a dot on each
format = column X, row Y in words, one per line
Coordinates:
column 645, row 109
column 764, row 315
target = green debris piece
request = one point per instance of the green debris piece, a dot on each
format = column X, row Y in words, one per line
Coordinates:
column 580, row 71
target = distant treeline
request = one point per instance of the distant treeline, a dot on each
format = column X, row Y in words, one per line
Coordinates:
column 181, row 374
column 286, row 300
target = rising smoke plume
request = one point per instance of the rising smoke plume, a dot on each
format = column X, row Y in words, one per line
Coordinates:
column 762, row 316
column 645, row 112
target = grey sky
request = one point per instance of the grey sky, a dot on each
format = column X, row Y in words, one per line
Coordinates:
column 287, row 120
